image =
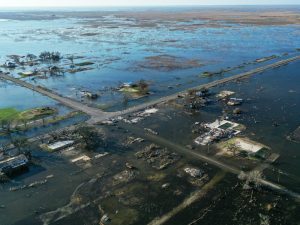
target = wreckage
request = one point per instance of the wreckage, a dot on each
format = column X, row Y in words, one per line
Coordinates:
column 216, row 131
column 157, row 157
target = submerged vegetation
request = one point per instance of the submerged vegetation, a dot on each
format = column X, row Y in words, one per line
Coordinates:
column 50, row 56
column 47, row 63
column 135, row 90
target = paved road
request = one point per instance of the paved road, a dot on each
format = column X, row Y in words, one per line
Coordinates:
column 209, row 85
column 93, row 112
column 98, row 115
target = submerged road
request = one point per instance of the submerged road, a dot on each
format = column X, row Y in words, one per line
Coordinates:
column 98, row 115
column 211, row 84
column 93, row 112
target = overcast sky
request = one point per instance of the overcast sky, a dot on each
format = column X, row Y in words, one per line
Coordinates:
column 74, row 3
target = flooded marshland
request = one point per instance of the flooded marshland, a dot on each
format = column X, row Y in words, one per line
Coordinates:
column 169, row 53
column 222, row 155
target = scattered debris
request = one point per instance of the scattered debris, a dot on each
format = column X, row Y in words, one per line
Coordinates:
column 124, row 177
column 225, row 94
column 32, row 185
column 235, row 101
column 89, row 95
column 151, row 131
column 139, row 116
column 130, row 166
column 49, row 176
column 197, row 99
column 84, row 158
column 194, row 172
column 131, row 140
column 159, row 158
column 165, row 186
column 98, row 156
column 217, row 130
column 104, row 219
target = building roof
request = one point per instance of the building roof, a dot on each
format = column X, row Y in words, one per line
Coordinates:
column 14, row 162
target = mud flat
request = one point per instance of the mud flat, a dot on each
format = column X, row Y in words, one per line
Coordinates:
column 251, row 15
column 168, row 63
column 258, row 17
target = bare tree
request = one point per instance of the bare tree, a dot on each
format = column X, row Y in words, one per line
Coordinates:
column 21, row 143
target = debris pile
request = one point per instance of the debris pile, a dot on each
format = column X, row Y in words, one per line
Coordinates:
column 216, row 131
column 157, row 157
column 225, row 94
column 104, row 219
column 132, row 140
column 194, row 172
column 124, row 177
column 214, row 135
column 197, row 99
column 235, row 101
column 151, row 131
column 137, row 117
column 89, row 95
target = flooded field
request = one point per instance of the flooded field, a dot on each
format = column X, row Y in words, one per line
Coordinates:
column 168, row 52
column 227, row 154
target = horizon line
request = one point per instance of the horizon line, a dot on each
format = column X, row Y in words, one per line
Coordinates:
column 150, row 5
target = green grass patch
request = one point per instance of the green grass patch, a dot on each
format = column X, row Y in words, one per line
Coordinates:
column 11, row 114
column 130, row 89
column 37, row 113
column 7, row 114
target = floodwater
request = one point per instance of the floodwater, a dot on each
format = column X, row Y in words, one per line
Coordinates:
column 119, row 46
column 13, row 96
column 19, row 98
column 270, row 114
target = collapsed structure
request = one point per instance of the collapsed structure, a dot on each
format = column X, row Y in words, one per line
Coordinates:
column 216, row 131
